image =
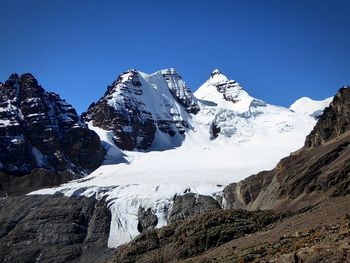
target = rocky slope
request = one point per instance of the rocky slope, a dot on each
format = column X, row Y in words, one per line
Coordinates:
column 53, row 229
column 317, row 233
column 193, row 236
column 320, row 169
column 40, row 130
column 320, row 233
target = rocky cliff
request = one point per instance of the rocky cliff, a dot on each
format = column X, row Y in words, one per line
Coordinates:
column 53, row 229
column 334, row 121
column 38, row 129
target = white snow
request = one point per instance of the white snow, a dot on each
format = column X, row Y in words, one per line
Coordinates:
column 5, row 122
column 208, row 92
column 309, row 106
column 254, row 137
column 113, row 154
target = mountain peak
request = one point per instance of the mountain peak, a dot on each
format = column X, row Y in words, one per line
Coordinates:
column 224, row 92
column 168, row 71
column 217, row 77
column 215, row 72
column 38, row 129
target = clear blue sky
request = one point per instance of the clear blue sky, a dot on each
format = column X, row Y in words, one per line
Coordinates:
column 277, row 50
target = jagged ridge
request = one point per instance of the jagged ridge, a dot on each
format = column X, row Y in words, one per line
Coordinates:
column 40, row 130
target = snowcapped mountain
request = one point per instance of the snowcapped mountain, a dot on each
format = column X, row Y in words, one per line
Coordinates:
column 37, row 130
column 141, row 108
column 162, row 141
column 218, row 90
column 309, row 106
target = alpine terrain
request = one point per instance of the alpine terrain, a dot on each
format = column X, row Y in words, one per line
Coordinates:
column 163, row 141
column 152, row 172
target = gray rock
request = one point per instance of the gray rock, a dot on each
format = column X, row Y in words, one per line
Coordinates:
column 193, row 236
column 14, row 185
column 147, row 220
column 334, row 121
column 53, row 229
column 191, row 204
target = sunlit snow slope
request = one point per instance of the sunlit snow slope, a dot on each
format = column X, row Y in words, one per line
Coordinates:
column 231, row 137
column 309, row 106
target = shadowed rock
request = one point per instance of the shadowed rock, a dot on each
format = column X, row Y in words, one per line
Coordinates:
column 53, row 229
column 190, row 204
column 38, row 129
column 147, row 220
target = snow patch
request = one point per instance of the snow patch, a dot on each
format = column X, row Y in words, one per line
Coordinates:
column 309, row 106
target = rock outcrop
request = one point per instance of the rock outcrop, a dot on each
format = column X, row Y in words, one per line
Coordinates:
column 319, row 170
column 147, row 220
column 193, row 236
column 320, row 233
column 53, row 229
column 137, row 106
column 40, row 130
column 190, row 204
column 334, row 121
column 14, row 185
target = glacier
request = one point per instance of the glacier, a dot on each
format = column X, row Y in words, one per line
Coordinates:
column 228, row 138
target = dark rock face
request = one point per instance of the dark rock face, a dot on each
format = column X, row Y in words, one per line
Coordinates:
column 190, row 204
column 129, row 120
column 334, row 121
column 147, row 220
column 14, row 185
column 53, row 229
column 126, row 109
column 40, row 130
column 319, row 170
column 214, row 130
column 193, row 236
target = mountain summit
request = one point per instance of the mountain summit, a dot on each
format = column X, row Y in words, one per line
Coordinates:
column 141, row 108
column 39, row 130
column 225, row 93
